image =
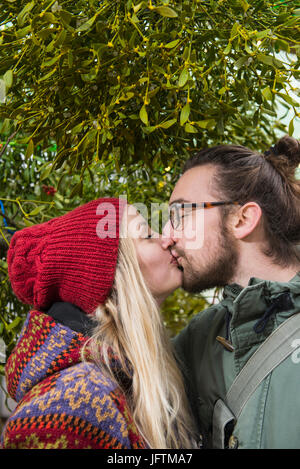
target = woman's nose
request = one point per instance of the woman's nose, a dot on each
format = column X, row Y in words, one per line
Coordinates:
column 166, row 239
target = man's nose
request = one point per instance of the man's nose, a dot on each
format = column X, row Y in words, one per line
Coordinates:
column 167, row 236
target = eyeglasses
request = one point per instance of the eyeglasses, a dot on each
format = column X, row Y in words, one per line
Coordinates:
column 178, row 211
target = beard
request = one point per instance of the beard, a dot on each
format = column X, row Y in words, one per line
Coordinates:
column 219, row 267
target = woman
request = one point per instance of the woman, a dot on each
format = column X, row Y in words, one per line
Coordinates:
column 93, row 367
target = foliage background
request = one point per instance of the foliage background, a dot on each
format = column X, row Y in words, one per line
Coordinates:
column 103, row 98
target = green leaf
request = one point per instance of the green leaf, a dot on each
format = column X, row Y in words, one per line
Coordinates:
column 149, row 129
column 269, row 60
column 256, row 118
column 127, row 96
column 49, row 17
column 50, row 62
column 234, row 30
column 23, row 32
column 247, row 48
column 3, row 264
column 289, row 99
column 87, row 25
column 91, row 135
column 134, row 18
column 77, row 189
column 144, row 115
column 262, row 34
column 13, row 324
column 167, row 124
column 153, row 92
column 227, row 48
column 48, row 75
column 183, row 78
column 44, row 34
column 45, row 173
column 166, row 11
column 267, row 93
column 270, row 112
column 77, row 128
column 291, row 127
column 66, row 17
column 60, row 38
column 245, row 5
column 8, row 78
column 29, row 150
column 220, row 126
column 2, row 90
column 190, row 128
column 241, row 61
column 23, row 13
column 184, row 115
column 222, row 90
column 283, row 45
column 5, row 126
column 27, row 222
column 291, row 22
column 36, row 210
column 136, row 8
column 206, row 123
column 278, row 63
column 171, row 44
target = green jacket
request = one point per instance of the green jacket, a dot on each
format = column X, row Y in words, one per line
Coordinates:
column 245, row 316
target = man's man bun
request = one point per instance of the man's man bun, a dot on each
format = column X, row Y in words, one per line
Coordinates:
column 289, row 148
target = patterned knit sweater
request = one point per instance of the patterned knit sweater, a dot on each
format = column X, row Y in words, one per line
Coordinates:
column 62, row 402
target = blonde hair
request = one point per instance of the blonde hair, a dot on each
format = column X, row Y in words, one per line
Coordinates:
column 130, row 324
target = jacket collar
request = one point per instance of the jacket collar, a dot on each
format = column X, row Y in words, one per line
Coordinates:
column 251, row 302
column 253, row 312
column 72, row 317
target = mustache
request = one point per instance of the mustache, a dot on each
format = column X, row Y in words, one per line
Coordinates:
column 178, row 252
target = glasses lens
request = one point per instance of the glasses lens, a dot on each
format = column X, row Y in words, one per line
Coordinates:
column 172, row 216
column 177, row 215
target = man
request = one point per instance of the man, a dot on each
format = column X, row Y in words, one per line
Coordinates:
column 248, row 245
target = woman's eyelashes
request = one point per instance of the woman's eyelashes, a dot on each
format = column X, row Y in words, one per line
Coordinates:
column 151, row 235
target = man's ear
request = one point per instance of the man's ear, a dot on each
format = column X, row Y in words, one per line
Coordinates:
column 245, row 220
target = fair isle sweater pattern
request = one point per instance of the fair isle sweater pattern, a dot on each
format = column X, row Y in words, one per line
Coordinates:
column 63, row 403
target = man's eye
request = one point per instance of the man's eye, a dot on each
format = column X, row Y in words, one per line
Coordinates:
column 185, row 213
column 149, row 236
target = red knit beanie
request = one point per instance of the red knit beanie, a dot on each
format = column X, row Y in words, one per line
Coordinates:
column 69, row 258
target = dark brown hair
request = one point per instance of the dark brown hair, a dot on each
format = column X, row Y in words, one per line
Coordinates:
column 269, row 180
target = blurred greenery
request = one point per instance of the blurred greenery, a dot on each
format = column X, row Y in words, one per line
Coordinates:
column 104, row 98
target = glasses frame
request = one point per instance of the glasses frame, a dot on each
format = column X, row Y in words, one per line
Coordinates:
column 179, row 205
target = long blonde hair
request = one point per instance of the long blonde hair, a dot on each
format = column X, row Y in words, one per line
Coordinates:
column 130, row 324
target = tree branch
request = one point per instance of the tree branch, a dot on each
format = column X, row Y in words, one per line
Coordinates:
column 9, row 220
column 8, row 140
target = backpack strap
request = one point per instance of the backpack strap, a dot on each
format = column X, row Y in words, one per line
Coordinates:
column 276, row 348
